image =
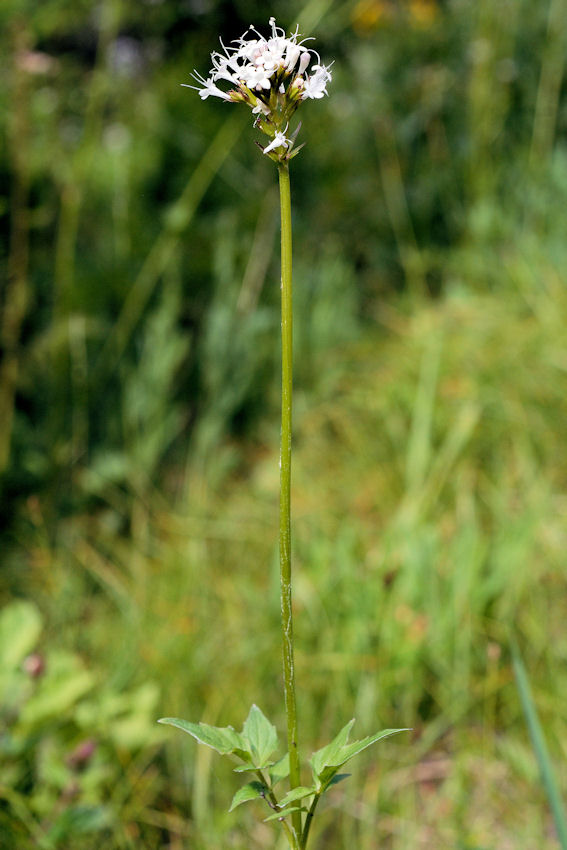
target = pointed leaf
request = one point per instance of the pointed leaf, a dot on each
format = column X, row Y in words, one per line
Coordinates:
column 284, row 813
column 297, row 794
column 327, row 761
column 296, row 150
column 279, row 770
column 251, row 791
column 222, row 739
column 338, row 777
column 330, row 777
column 357, row 747
column 260, row 735
column 327, row 755
column 295, row 133
column 325, row 778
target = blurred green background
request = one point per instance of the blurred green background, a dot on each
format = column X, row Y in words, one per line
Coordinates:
column 139, row 420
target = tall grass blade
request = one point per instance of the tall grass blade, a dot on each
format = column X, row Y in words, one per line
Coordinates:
column 540, row 747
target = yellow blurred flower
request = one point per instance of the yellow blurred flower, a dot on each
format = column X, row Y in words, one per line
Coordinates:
column 369, row 14
column 423, row 12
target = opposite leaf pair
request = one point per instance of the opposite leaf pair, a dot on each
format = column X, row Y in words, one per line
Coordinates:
column 255, row 745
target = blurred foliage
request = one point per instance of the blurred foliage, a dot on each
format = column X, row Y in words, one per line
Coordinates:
column 113, row 177
column 139, row 393
column 70, row 743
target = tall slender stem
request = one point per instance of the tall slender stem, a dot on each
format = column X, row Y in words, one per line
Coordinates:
column 285, row 484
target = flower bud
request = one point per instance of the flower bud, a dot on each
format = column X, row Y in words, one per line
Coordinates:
column 292, row 55
column 304, row 62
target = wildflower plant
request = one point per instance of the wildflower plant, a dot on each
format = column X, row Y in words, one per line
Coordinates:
column 273, row 76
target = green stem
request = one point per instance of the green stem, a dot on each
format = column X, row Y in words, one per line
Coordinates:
column 275, row 805
column 308, row 820
column 285, row 484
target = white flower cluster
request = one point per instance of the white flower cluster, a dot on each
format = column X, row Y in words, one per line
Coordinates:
column 272, row 76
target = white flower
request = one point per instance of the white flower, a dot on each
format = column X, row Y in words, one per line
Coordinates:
column 206, row 88
column 224, row 68
column 279, row 141
column 256, row 78
column 272, row 75
column 256, row 63
column 315, row 86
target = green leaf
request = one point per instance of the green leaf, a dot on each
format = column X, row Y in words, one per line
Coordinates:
column 251, row 791
column 327, row 755
column 222, row 739
column 260, row 735
column 284, row 813
column 338, row 777
column 279, row 770
column 296, row 151
column 358, row 746
column 297, row 794
column 326, row 761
